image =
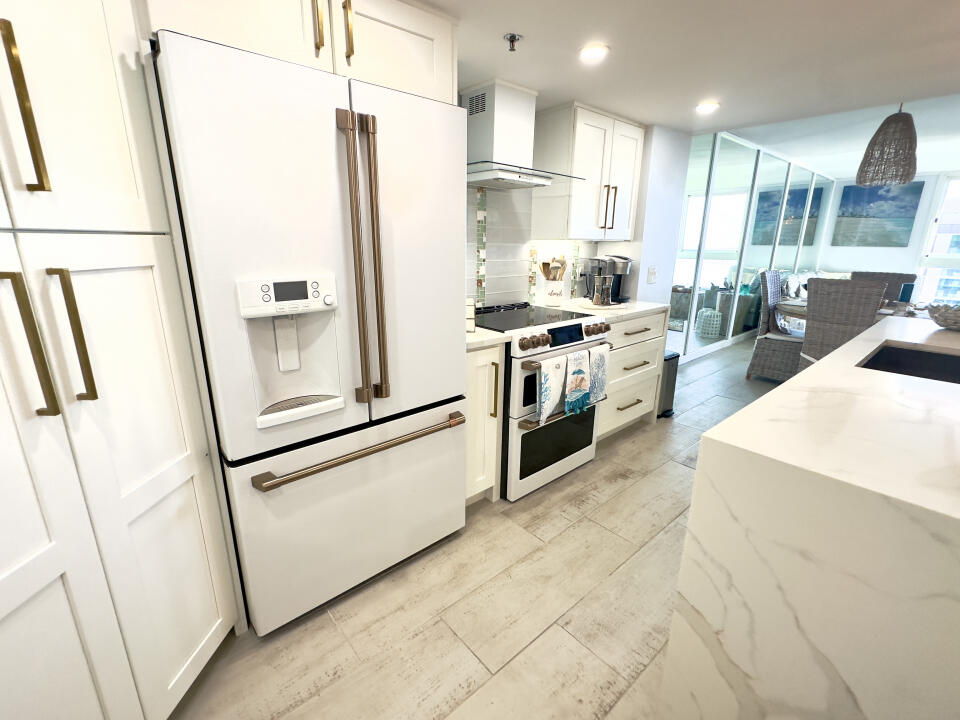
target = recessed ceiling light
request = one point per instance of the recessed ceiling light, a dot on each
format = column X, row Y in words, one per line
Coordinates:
column 593, row 53
column 707, row 107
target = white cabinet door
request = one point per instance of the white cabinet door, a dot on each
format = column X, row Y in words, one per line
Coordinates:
column 131, row 404
column 484, row 375
column 61, row 652
column 396, row 45
column 590, row 198
column 78, row 60
column 421, row 156
column 624, row 180
column 294, row 30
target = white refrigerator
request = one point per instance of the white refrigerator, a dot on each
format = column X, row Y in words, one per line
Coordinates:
column 323, row 220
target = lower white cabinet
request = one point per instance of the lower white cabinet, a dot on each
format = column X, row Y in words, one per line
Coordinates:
column 484, row 418
column 112, row 322
column 61, row 651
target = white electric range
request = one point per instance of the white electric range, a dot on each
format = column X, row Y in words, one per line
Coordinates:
column 535, row 454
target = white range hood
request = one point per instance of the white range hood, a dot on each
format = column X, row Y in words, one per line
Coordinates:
column 500, row 123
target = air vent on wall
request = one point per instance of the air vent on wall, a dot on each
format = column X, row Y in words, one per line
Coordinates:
column 477, row 103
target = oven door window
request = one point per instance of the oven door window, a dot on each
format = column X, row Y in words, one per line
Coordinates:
column 530, row 389
column 551, row 443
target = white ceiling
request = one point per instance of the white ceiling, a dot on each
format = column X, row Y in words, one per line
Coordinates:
column 764, row 61
column 834, row 144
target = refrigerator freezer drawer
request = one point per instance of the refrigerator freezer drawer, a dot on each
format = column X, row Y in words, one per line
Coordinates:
column 305, row 541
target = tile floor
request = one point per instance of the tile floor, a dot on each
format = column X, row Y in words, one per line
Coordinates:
column 554, row 606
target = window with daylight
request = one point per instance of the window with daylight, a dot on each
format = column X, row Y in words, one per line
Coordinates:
column 940, row 275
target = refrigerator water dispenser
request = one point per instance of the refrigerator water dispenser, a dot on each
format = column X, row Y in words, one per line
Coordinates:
column 291, row 327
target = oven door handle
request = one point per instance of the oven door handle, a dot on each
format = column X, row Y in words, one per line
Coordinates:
column 534, row 365
column 534, row 424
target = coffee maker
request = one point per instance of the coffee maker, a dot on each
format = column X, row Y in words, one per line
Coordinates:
column 601, row 273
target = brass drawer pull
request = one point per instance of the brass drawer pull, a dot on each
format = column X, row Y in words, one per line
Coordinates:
column 368, row 124
column 79, row 342
column 265, row 482
column 347, row 121
column 496, row 389
column 51, row 407
column 26, row 108
column 630, row 405
column 318, row 12
column 634, row 367
column 606, row 208
column 613, row 214
column 348, row 23
column 637, row 332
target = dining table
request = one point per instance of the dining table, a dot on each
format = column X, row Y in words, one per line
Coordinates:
column 797, row 308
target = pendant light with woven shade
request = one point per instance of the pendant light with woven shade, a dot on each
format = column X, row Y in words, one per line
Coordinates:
column 891, row 156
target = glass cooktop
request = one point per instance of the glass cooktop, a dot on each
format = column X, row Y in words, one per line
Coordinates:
column 513, row 317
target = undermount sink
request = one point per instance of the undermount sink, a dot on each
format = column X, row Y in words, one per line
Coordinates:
column 917, row 363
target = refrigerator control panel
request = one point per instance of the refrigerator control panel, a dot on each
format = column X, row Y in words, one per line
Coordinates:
column 266, row 297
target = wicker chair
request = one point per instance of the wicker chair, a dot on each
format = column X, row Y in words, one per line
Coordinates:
column 894, row 281
column 775, row 355
column 837, row 311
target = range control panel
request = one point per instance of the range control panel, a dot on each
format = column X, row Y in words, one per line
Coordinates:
column 286, row 296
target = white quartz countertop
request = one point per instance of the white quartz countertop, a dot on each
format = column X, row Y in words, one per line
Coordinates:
column 484, row 338
column 615, row 313
column 892, row 434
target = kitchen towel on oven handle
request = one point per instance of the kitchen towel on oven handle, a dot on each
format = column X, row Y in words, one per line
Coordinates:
column 578, row 382
column 553, row 375
column 599, row 359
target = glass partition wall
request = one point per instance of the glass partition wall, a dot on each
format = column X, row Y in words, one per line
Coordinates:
column 745, row 211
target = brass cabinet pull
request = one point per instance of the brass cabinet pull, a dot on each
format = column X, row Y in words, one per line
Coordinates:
column 368, row 124
column 348, row 23
column 347, row 121
column 70, row 300
column 634, row 367
column 496, row 389
column 637, row 332
column 265, row 482
column 318, row 12
column 613, row 214
column 30, row 329
column 606, row 208
column 26, row 108
column 630, row 405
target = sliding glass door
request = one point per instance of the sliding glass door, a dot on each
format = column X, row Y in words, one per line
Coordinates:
column 785, row 256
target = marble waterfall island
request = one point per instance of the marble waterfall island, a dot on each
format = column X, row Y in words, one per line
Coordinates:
column 821, row 571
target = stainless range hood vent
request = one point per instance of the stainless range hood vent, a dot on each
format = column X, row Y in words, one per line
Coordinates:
column 500, row 123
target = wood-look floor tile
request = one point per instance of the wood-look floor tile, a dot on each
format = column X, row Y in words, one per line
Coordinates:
column 424, row 676
column 377, row 615
column 507, row 612
column 689, row 456
column 253, row 678
column 643, row 448
column 709, row 413
column 641, row 700
column 625, row 620
column 649, row 505
column 550, row 510
column 555, row 677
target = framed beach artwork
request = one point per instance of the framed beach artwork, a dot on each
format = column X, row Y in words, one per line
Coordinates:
column 768, row 212
column 877, row 216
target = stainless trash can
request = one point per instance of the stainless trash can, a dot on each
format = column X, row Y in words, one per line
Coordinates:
column 668, row 384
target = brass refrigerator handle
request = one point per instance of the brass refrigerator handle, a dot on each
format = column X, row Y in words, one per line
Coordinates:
column 267, row 481
column 496, row 389
column 73, row 314
column 630, row 405
column 348, row 24
column 347, row 121
column 30, row 329
column 318, row 12
column 606, row 208
column 613, row 214
column 368, row 124
column 26, row 108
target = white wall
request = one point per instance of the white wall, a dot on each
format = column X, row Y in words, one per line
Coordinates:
column 666, row 155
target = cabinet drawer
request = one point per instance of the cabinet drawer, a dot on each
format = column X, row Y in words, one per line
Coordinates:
column 634, row 331
column 627, row 400
column 635, row 360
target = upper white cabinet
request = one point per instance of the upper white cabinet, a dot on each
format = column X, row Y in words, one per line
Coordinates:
column 294, row 30
column 78, row 150
column 385, row 42
column 603, row 150
column 396, row 45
